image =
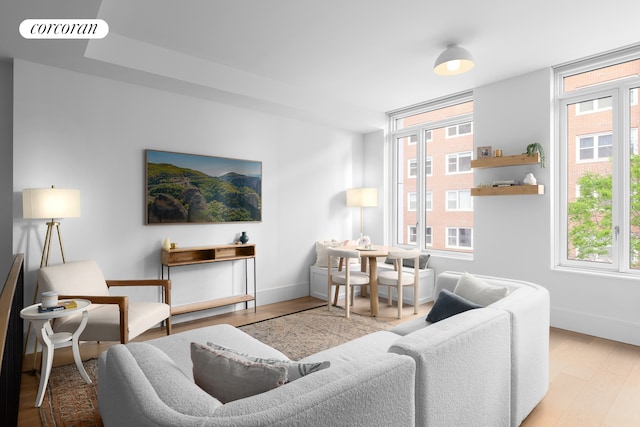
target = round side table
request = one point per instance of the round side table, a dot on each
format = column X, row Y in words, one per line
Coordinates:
column 50, row 340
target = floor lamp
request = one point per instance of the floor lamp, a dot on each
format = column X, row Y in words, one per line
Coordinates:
column 362, row 198
column 48, row 203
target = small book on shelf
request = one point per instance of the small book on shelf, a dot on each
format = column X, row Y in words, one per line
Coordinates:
column 62, row 305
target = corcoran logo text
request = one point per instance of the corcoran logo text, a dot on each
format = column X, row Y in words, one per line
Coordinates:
column 64, row 28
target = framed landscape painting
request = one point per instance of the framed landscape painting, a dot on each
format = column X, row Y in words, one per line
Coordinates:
column 190, row 188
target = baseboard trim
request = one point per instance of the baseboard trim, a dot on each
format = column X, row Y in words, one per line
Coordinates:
column 596, row 325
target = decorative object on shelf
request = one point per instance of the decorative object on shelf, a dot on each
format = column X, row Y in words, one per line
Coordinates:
column 243, row 238
column 505, row 183
column 529, row 179
column 497, row 153
column 534, row 148
column 362, row 198
column 167, row 244
column 174, row 245
column 484, row 152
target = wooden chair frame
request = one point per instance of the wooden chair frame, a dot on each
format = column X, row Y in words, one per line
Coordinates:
column 123, row 301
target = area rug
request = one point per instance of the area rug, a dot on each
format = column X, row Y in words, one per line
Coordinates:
column 70, row 402
column 302, row 334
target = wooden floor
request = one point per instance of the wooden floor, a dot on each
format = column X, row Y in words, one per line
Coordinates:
column 593, row 381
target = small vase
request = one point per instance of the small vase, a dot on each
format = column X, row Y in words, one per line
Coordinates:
column 243, row 238
column 529, row 179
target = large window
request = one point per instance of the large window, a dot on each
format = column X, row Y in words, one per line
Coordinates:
column 432, row 146
column 599, row 166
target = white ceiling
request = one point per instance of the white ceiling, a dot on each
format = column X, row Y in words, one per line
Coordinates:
column 338, row 62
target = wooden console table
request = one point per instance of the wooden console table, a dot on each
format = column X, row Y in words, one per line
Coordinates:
column 207, row 254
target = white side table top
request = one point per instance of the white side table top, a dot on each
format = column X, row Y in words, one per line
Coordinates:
column 32, row 312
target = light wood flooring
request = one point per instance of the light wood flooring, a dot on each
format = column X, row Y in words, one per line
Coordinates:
column 593, row 381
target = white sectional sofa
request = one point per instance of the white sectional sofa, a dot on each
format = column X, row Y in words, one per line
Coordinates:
column 151, row 384
column 465, row 370
column 528, row 306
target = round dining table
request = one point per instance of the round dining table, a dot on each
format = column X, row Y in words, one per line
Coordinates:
column 369, row 258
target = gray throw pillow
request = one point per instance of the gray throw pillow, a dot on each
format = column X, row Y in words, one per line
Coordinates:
column 295, row 370
column 228, row 376
column 423, row 262
column 449, row 304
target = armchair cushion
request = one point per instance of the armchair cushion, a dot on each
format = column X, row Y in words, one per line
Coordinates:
column 74, row 278
column 105, row 320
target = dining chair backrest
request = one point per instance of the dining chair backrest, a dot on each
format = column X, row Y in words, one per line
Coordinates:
column 402, row 254
column 342, row 253
column 397, row 279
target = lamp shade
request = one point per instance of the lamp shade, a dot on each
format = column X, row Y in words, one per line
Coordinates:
column 362, row 197
column 454, row 60
column 50, row 203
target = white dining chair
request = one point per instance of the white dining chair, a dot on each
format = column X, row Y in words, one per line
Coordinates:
column 343, row 275
column 398, row 279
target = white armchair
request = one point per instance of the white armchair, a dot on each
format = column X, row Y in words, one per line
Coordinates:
column 111, row 318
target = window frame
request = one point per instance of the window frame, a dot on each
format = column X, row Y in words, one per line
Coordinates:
column 458, row 155
column 412, row 166
column 596, row 147
column 396, row 131
column 457, row 245
column 457, row 127
column 621, row 96
column 458, row 207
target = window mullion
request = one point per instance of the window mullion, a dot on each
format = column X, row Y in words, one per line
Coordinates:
column 622, row 117
column 421, row 190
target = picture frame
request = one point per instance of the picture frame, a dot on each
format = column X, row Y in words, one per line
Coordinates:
column 483, row 152
column 186, row 188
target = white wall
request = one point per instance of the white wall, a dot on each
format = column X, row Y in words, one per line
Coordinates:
column 85, row 132
column 81, row 131
column 513, row 234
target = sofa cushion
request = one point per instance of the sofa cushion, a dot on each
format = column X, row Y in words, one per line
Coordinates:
column 449, row 304
column 178, row 345
column 228, row 376
column 423, row 262
column 171, row 385
column 368, row 345
column 478, row 291
column 322, row 257
column 295, row 370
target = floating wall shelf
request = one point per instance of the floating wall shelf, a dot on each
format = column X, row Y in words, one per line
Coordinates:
column 495, row 162
column 508, row 191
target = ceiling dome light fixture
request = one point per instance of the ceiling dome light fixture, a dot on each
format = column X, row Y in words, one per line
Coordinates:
column 454, row 60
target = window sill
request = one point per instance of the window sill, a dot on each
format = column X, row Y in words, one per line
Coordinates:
column 597, row 272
